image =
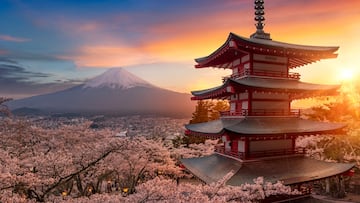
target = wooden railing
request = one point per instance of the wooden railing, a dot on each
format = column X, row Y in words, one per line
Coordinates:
column 258, row 154
column 262, row 112
column 264, row 73
column 221, row 150
column 277, row 152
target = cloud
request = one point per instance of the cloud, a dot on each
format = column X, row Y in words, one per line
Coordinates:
column 10, row 69
column 108, row 56
column 142, row 38
column 315, row 14
column 13, row 39
column 17, row 82
column 27, row 55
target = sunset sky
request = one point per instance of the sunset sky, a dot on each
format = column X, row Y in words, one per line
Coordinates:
column 50, row 45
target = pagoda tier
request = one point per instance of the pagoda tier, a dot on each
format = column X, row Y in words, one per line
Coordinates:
column 262, row 127
column 291, row 170
column 253, row 137
column 294, row 88
column 292, row 55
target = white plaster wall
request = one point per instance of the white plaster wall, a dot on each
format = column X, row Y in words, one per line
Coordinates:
column 245, row 58
column 227, row 146
column 245, row 105
column 232, row 106
column 241, row 146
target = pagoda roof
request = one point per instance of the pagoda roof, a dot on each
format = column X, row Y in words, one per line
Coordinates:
column 264, row 126
column 301, row 89
column 236, row 46
column 289, row 169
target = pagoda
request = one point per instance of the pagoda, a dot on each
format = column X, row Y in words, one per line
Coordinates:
column 259, row 131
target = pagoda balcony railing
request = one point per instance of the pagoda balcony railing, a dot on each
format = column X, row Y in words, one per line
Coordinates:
column 277, row 152
column 262, row 112
column 258, row 154
column 221, row 150
column 264, row 73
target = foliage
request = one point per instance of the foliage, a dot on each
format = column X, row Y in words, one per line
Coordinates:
column 38, row 163
column 341, row 147
column 78, row 164
column 207, row 110
column 193, row 150
column 161, row 189
column 342, row 108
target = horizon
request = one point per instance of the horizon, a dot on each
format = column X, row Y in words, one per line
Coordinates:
column 158, row 40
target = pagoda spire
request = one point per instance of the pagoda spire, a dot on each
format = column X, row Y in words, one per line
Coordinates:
column 259, row 18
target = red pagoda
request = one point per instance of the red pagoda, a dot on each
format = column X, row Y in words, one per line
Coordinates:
column 258, row 133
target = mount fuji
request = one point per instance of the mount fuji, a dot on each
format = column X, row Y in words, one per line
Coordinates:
column 115, row 92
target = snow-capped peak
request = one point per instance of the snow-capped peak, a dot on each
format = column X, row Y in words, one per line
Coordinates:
column 117, row 78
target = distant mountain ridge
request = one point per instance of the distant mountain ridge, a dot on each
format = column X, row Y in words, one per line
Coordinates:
column 116, row 91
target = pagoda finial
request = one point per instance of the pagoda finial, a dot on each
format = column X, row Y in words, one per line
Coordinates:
column 259, row 18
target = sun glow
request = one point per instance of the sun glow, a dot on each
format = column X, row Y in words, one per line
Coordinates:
column 347, row 75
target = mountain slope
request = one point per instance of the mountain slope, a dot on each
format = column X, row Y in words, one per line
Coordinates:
column 114, row 92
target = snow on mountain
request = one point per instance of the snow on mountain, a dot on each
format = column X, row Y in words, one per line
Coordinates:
column 114, row 92
column 117, row 78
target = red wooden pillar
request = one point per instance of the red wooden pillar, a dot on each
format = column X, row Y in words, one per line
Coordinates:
column 234, row 145
column 287, row 67
column 251, row 60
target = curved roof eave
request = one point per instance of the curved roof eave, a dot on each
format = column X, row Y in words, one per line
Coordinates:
column 289, row 85
column 296, row 170
column 212, row 127
column 278, row 44
column 281, row 125
column 265, row 126
column 268, row 84
column 321, row 52
column 290, row 170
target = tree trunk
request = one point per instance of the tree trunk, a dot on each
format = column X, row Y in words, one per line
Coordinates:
column 79, row 185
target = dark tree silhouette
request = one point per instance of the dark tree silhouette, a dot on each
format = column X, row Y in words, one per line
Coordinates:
column 3, row 107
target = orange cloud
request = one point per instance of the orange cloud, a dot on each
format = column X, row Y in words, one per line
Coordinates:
column 318, row 18
column 108, row 56
column 195, row 36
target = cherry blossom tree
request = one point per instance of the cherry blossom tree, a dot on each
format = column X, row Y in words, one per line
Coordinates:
column 75, row 160
column 78, row 164
column 343, row 108
column 193, row 150
column 161, row 189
